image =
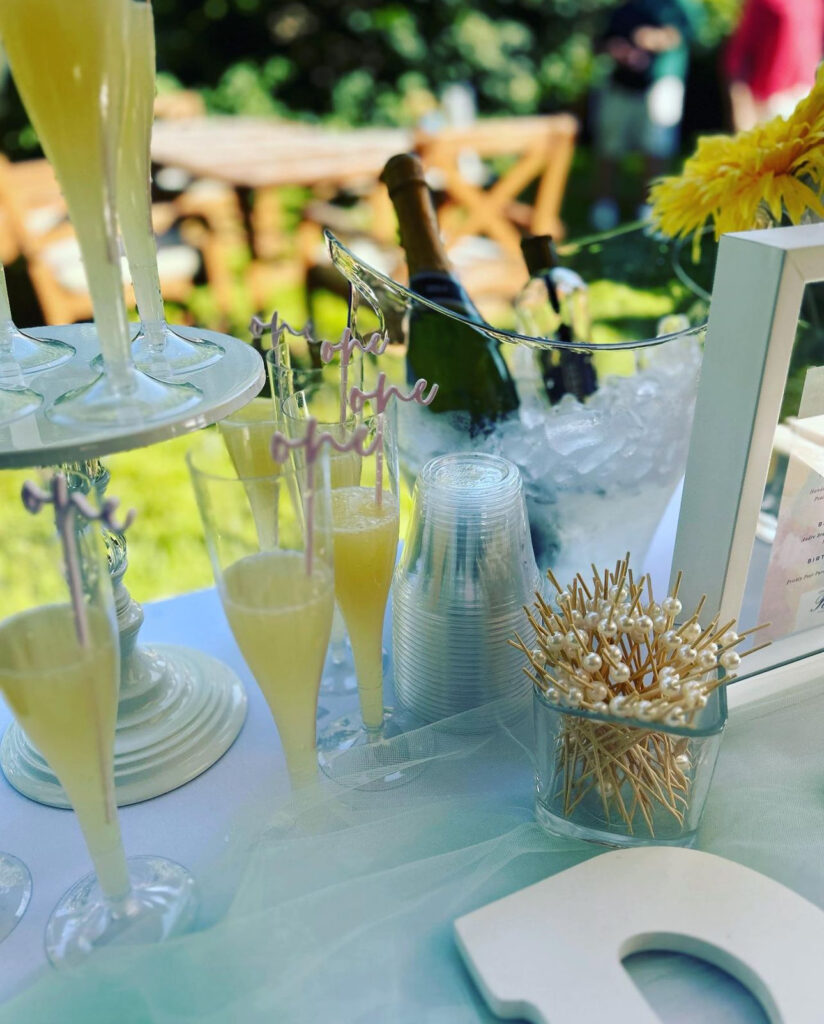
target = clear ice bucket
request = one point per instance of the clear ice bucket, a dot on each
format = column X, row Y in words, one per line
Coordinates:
column 599, row 470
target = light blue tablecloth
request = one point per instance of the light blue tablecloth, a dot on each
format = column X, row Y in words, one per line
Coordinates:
column 356, row 924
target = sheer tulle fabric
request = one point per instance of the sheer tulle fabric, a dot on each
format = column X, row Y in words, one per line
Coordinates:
column 341, row 908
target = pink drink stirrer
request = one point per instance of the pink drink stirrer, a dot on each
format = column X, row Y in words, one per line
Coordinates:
column 66, row 505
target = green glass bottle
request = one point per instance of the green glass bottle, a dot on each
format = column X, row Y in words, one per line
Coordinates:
column 465, row 362
column 554, row 304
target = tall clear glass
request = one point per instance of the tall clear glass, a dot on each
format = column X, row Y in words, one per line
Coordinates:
column 247, row 435
column 327, row 387
column 276, row 584
column 157, row 349
column 60, row 674
column 365, row 519
column 15, row 892
column 69, row 66
column 19, row 355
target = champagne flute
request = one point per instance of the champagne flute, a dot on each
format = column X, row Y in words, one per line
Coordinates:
column 69, row 67
column 328, row 388
column 365, row 521
column 278, row 597
column 15, row 892
column 60, row 673
column 157, row 349
column 247, row 435
column 20, row 354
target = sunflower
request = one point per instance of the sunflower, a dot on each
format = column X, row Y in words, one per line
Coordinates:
column 732, row 181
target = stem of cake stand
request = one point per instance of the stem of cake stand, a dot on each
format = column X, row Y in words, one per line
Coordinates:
column 179, row 710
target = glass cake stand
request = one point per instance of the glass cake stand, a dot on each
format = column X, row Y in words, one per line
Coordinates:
column 180, row 710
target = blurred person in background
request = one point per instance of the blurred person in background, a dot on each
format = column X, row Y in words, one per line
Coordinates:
column 641, row 106
column 772, row 57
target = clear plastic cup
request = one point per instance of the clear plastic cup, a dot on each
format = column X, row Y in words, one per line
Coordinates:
column 466, row 572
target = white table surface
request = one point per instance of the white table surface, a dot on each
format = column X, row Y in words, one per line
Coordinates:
column 192, row 824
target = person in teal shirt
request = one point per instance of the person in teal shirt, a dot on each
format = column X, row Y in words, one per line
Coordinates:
column 641, row 106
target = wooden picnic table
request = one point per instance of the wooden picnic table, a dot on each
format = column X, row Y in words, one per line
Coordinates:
column 255, row 152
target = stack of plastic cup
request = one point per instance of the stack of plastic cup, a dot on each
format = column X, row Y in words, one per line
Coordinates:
column 466, row 571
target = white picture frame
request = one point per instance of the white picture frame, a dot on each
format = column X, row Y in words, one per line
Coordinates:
column 759, row 285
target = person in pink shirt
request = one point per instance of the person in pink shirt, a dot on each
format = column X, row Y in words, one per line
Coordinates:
column 772, row 57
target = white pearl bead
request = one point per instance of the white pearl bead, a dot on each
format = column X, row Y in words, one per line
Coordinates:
column 691, row 632
column 592, row 620
column 675, row 716
column 730, row 660
column 615, row 652
column 729, row 638
column 552, row 695
column 538, row 657
column 577, row 617
column 597, row 691
column 575, row 696
column 653, row 609
column 591, row 662
column 600, row 707
column 706, row 660
column 608, row 628
column 659, row 624
column 620, row 595
column 626, row 623
column 671, row 605
column 671, row 686
column 617, row 706
column 644, row 710
column 671, row 640
column 712, row 647
column 621, row 673
column 643, row 624
column 687, row 654
column 571, row 641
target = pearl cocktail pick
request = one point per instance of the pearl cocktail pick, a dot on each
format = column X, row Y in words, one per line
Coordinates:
column 607, row 647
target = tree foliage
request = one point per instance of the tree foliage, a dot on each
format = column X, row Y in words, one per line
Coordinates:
column 379, row 61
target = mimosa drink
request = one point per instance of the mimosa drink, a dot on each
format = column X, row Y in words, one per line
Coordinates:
column 281, row 618
column 65, row 698
column 247, row 435
column 134, row 206
column 366, row 541
column 67, row 63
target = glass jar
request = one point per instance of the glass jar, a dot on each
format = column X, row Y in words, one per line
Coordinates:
column 622, row 782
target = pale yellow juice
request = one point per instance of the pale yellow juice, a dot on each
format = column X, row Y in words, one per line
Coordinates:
column 247, row 435
column 281, row 618
column 65, row 57
column 65, row 699
column 133, row 171
column 366, row 541
column 344, row 469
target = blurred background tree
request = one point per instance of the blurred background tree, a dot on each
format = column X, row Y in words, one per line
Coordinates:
column 378, row 62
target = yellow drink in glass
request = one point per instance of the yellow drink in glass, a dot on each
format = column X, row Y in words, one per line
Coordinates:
column 133, row 171
column 67, row 63
column 281, row 618
column 365, row 544
column 247, row 435
column 65, row 698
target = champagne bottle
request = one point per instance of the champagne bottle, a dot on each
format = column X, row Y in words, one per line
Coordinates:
column 464, row 361
column 554, row 304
